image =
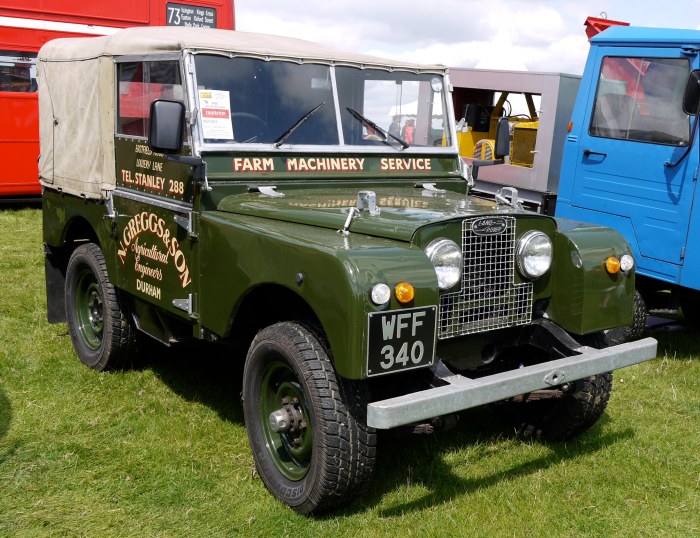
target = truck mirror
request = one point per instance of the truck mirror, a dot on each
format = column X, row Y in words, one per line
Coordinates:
column 502, row 148
column 691, row 97
column 165, row 133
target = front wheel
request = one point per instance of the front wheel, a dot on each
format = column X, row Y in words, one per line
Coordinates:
column 564, row 412
column 564, row 416
column 102, row 334
column 307, row 427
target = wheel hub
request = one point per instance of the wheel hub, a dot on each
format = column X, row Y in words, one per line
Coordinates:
column 95, row 311
column 288, row 419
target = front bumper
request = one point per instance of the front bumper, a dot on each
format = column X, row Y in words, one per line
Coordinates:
column 462, row 393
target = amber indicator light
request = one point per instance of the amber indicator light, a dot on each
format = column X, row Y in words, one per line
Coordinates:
column 404, row 292
column 612, row 265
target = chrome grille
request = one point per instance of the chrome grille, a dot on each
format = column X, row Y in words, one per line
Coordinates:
column 489, row 298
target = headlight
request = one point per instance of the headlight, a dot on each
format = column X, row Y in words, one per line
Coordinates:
column 446, row 256
column 534, row 254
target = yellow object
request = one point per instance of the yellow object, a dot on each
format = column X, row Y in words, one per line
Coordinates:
column 404, row 292
column 522, row 148
column 612, row 265
column 466, row 141
column 484, row 149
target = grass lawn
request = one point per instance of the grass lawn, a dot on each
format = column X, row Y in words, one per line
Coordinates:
column 163, row 451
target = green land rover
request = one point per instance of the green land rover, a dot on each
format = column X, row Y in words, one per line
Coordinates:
column 309, row 205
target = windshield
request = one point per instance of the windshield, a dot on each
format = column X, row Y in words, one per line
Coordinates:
column 251, row 101
column 407, row 106
column 246, row 100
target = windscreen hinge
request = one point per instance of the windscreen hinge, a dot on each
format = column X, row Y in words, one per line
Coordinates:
column 367, row 201
column 508, row 196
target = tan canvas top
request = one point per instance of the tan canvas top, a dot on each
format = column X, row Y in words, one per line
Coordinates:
column 77, row 91
column 154, row 40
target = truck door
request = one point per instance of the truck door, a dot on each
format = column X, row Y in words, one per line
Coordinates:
column 629, row 171
column 153, row 202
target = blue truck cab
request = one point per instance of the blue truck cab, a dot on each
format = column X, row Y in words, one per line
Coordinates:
column 631, row 156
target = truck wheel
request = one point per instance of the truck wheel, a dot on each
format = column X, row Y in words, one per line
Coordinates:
column 102, row 334
column 634, row 331
column 307, row 427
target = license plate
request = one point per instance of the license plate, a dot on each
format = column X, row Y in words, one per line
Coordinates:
column 400, row 340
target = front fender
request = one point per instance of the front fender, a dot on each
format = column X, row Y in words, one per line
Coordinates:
column 337, row 274
column 585, row 298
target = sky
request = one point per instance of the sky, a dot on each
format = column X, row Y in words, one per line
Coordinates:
column 526, row 35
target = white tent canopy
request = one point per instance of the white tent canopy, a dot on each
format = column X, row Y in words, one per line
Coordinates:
column 77, row 97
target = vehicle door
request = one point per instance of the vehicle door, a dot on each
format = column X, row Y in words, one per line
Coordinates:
column 633, row 171
column 153, row 201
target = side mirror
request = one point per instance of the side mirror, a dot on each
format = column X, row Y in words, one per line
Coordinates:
column 691, row 97
column 167, row 125
column 502, row 146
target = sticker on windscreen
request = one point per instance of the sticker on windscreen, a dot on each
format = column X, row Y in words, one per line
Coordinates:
column 216, row 114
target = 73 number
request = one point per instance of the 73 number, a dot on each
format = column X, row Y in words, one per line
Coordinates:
column 174, row 16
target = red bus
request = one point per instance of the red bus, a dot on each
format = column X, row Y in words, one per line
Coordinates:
column 25, row 25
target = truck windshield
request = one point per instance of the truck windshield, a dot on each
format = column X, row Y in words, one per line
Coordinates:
column 640, row 99
column 252, row 101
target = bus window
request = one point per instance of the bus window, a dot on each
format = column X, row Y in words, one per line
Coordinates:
column 17, row 71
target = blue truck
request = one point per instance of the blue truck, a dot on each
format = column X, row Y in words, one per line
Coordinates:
column 631, row 158
column 628, row 159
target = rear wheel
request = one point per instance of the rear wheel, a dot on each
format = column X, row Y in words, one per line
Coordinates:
column 307, row 427
column 102, row 334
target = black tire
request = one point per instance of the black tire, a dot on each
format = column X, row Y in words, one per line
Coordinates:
column 563, row 418
column 634, row 331
column 102, row 334
column 567, row 416
column 329, row 452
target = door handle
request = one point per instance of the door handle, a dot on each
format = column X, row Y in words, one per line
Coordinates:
column 588, row 152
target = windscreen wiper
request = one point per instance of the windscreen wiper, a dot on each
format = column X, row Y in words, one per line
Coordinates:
column 282, row 139
column 369, row 123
